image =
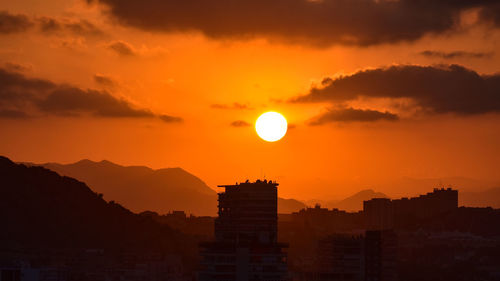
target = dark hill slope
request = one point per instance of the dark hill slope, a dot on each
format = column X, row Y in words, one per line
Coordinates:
column 39, row 208
column 141, row 188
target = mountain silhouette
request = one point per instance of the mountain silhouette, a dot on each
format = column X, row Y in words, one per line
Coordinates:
column 288, row 206
column 352, row 203
column 487, row 198
column 355, row 202
column 141, row 188
column 41, row 209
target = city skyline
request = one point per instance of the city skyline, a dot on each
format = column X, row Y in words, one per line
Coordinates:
column 58, row 228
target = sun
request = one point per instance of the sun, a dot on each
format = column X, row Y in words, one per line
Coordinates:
column 271, row 126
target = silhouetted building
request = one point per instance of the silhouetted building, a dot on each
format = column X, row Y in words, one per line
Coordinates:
column 431, row 204
column 379, row 214
column 380, row 255
column 327, row 221
column 245, row 246
column 341, row 257
column 383, row 213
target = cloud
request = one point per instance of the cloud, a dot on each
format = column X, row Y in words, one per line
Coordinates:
column 234, row 105
column 10, row 23
column 122, row 48
column 314, row 22
column 240, row 123
column 125, row 49
column 23, row 96
column 455, row 54
column 436, row 89
column 80, row 27
column 13, row 114
column 76, row 44
column 491, row 14
column 15, row 23
column 170, row 119
column 17, row 67
column 70, row 101
column 352, row 115
column 105, row 81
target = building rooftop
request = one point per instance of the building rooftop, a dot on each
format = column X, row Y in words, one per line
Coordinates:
column 253, row 184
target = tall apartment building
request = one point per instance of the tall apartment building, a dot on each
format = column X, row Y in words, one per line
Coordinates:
column 382, row 213
column 341, row 257
column 246, row 231
column 381, row 255
column 379, row 214
column 433, row 203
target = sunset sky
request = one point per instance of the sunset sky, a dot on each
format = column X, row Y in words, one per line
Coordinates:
column 373, row 91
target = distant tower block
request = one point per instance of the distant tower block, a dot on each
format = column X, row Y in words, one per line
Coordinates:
column 379, row 214
column 246, row 231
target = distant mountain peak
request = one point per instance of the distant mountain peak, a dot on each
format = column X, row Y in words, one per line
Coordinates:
column 355, row 201
column 369, row 192
column 141, row 188
column 65, row 213
column 85, row 161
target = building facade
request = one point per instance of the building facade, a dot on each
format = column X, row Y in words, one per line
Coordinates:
column 246, row 231
column 381, row 255
column 379, row 214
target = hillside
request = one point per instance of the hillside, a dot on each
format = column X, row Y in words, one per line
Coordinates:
column 352, row 203
column 141, row 188
column 288, row 206
column 355, row 202
column 487, row 198
column 39, row 208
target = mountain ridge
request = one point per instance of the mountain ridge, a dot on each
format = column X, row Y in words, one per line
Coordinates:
column 40, row 208
column 142, row 188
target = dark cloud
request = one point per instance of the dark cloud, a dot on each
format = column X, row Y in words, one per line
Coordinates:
column 122, row 48
column 170, row 119
column 14, row 23
column 49, row 25
column 80, row 27
column 319, row 22
column 13, row 114
column 104, row 80
column 12, row 66
column 437, row 89
column 240, row 123
column 10, row 23
column 455, row 54
column 84, row 27
column 352, row 115
column 18, row 91
column 20, row 95
column 70, row 101
column 491, row 14
column 235, row 105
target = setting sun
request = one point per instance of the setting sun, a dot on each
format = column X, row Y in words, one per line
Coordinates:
column 271, row 126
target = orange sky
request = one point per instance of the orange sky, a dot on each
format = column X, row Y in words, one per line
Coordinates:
column 184, row 73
